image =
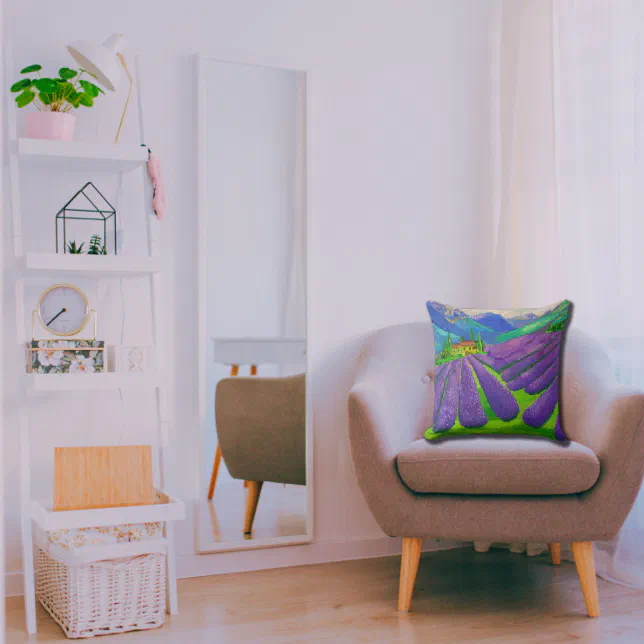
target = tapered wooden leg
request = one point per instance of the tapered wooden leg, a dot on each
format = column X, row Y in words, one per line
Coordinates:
column 585, row 562
column 555, row 553
column 411, row 549
column 253, row 491
column 234, row 370
column 253, row 372
column 215, row 471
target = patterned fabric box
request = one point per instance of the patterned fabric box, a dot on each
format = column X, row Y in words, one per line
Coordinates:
column 66, row 356
column 105, row 535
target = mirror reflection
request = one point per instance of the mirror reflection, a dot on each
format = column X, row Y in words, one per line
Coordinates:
column 254, row 483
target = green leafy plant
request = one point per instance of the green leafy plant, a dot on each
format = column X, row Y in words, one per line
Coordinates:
column 96, row 246
column 72, row 249
column 61, row 94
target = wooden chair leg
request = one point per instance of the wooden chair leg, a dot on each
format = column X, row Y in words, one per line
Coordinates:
column 585, row 562
column 215, row 471
column 253, row 491
column 411, row 549
column 253, row 372
column 234, row 370
column 555, row 553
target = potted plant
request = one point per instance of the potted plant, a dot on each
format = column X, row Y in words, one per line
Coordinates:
column 54, row 99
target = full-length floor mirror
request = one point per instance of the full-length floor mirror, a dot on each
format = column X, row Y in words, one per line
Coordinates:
column 255, row 451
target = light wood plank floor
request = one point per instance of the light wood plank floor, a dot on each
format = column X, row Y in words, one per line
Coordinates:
column 461, row 596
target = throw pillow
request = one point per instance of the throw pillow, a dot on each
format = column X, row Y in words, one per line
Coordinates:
column 497, row 371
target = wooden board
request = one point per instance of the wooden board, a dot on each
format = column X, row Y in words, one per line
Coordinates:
column 102, row 477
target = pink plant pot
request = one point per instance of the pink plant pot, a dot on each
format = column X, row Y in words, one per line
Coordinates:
column 55, row 126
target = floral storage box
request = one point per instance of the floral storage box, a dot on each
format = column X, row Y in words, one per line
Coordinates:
column 66, row 356
column 102, row 536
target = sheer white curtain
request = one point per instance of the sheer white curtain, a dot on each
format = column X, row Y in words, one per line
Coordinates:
column 574, row 226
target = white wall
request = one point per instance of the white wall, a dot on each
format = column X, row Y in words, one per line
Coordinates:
column 399, row 177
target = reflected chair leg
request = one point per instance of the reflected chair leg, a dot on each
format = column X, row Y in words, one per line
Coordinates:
column 585, row 562
column 411, row 549
column 215, row 471
column 234, row 370
column 253, row 372
column 555, row 553
column 252, row 498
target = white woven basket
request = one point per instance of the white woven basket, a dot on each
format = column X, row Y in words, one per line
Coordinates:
column 102, row 597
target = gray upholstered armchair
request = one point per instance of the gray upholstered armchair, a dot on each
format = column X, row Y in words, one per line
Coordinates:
column 494, row 489
column 261, row 425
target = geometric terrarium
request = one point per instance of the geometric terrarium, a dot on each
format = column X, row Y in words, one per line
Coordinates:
column 76, row 230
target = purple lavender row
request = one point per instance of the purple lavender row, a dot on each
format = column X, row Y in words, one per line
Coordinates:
column 470, row 410
column 500, row 398
column 543, row 380
column 440, row 369
column 446, row 416
column 439, row 386
column 536, row 371
column 518, row 346
column 496, row 363
column 559, row 432
column 529, row 375
column 520, row 366
column 534, row 343
column 512, row 350
column 541, row 409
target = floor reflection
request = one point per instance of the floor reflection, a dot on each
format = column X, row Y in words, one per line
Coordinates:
column 281, row 512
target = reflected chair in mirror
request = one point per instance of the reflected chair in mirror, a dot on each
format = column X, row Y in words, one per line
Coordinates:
column 234, row 371
column 261, row 425
column 234, row 352
column 501, row 490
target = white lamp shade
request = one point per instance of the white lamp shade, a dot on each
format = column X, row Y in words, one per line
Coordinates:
column 100, row 60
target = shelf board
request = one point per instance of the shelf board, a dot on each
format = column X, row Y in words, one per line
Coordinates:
column 88, row 157
column 91, row 381
column 168, row 509
column 92, row 265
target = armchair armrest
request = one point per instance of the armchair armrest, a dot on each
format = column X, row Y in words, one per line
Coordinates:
column 390, row 405
column 609, row 418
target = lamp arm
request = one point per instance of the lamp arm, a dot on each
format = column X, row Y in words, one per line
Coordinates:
column 129, row 95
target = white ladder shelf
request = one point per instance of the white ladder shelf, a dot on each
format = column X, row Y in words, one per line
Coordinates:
column 114, row 158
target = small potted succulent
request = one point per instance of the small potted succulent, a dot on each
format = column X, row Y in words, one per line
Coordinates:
column 54, row 99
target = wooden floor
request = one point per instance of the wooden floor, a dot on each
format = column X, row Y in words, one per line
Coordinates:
column 461, row 596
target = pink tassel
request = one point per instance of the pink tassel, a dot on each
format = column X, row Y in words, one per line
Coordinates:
column 158, row 198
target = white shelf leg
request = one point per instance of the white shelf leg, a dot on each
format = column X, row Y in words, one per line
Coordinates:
column 172, row 599
column 27, row 539
column 14, row 171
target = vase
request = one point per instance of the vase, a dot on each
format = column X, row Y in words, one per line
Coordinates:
column 55, row 126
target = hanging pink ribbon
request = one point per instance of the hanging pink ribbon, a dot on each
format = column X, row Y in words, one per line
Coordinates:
column 158, row 186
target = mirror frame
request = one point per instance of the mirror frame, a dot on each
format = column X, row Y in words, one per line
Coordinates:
column 203, row 403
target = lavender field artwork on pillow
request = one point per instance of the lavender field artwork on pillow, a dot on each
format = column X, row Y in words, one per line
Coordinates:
column 497, row 372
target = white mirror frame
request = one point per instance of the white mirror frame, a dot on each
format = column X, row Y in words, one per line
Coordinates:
column 204, row 404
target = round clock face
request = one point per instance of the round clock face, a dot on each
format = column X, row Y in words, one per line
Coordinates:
column 63, row 309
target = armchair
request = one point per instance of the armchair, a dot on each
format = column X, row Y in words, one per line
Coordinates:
column 467, row 489
column 261, row 424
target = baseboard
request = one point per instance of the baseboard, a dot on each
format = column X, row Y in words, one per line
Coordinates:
column 318, row 552
column 203, row 565
column 13, row 584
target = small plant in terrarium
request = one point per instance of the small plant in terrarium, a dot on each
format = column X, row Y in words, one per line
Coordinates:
column 96, row 246
column 78, row 217
column 73, row 249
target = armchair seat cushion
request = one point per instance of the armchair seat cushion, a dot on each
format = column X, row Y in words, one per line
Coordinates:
column 488, row 465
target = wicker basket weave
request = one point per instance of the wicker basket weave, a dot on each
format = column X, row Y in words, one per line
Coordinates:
column 102, row 597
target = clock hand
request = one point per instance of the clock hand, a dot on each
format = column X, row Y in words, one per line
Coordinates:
column 55, row 316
